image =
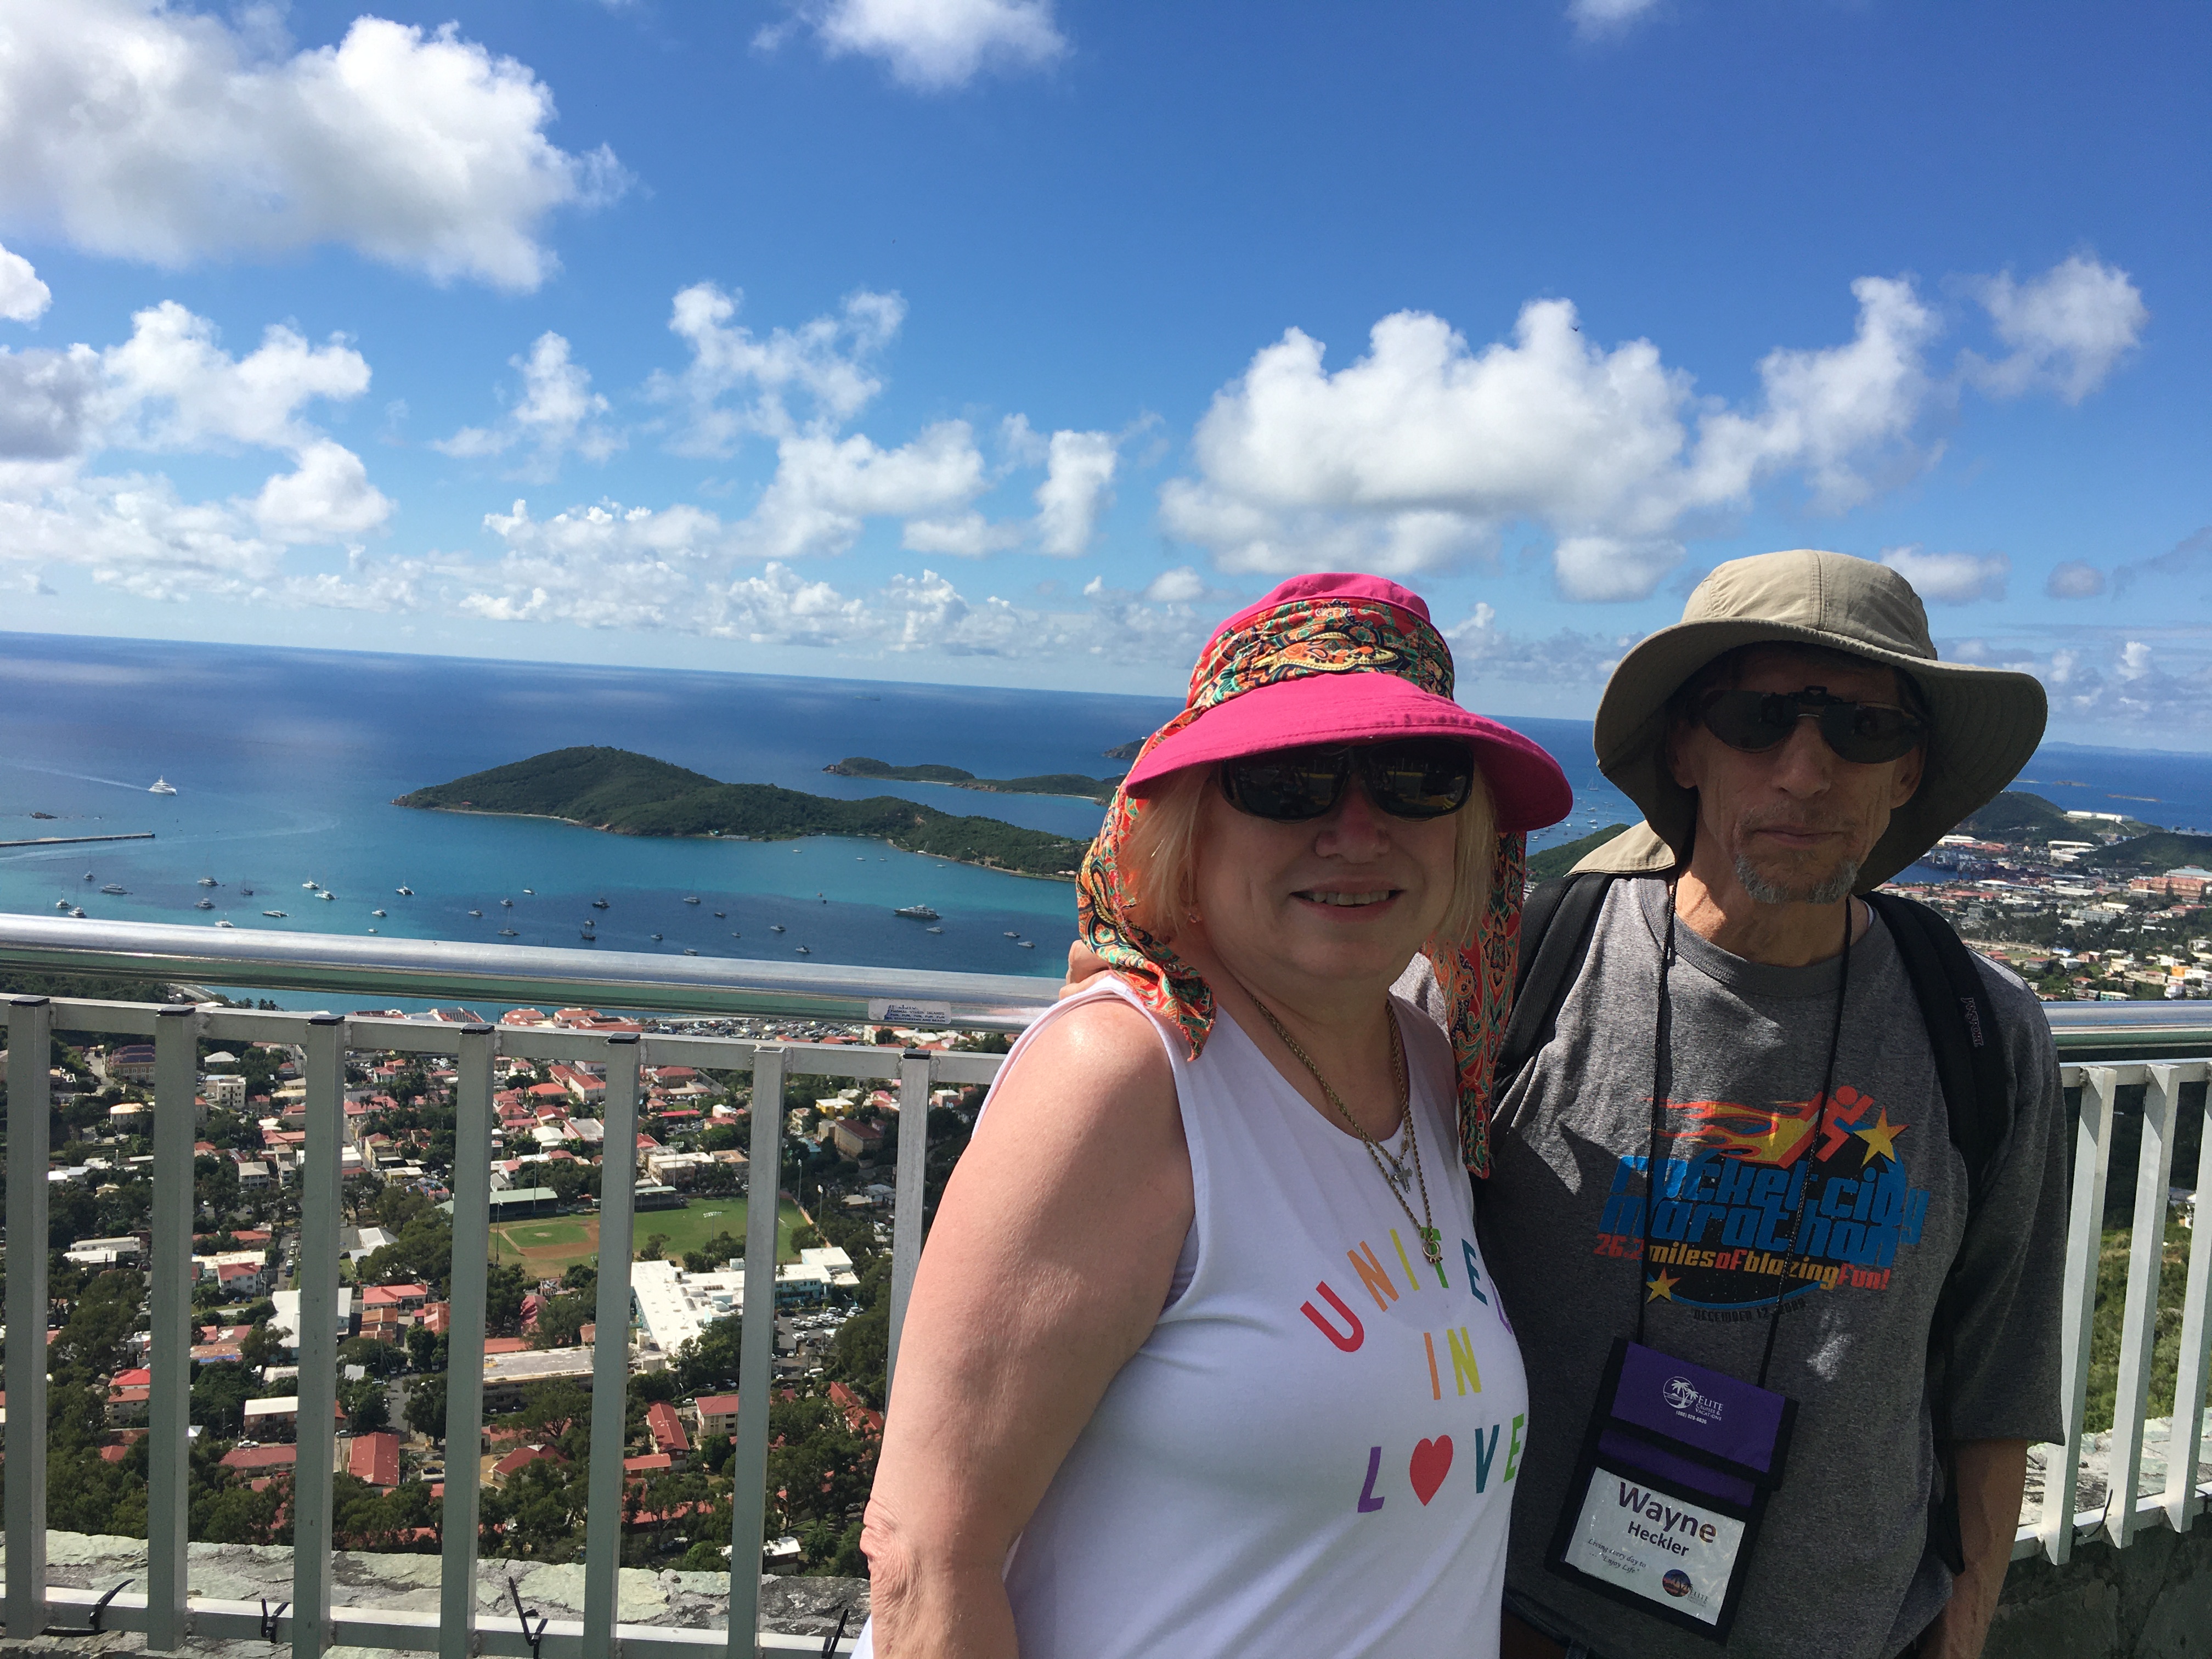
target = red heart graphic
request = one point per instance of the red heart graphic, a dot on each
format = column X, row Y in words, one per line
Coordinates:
column 1432, row 1463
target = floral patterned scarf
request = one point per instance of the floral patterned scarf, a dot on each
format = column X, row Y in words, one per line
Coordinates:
column 1304, row 636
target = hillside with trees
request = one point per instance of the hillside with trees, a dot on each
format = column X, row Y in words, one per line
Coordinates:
column 632, row 795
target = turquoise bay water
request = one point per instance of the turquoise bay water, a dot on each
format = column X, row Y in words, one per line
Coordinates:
column 286, row 763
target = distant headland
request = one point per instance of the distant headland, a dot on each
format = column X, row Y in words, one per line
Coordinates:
column 1049, row 783
column 633, row 794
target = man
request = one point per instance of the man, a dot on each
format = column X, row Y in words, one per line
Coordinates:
column 1808, row 1170
column 1793, row 742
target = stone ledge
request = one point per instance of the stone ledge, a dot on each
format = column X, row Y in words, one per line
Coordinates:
column 248, row 1572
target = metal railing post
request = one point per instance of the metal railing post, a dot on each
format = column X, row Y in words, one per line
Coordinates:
column 2185, row 1437
column 602, row 1527
column 2139, row 1324
column 314, row 1478
column 756, row 1354
column 30, row 1103
column 465, row 1341
column 176, row 1071
column 907, row 1199
column 2093, row 1152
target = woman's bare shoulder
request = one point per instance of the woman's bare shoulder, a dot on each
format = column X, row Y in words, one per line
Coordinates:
column 1101, row 1055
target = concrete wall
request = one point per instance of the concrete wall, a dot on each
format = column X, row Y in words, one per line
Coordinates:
column 2150, row 1600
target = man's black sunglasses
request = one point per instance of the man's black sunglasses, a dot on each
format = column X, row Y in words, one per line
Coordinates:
column 1861, row 733
column 1412, row 778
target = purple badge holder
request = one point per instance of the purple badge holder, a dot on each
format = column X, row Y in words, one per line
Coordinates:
column 1671, row 1487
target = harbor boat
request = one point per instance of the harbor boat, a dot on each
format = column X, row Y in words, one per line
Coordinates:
column 598, row 904
column 47, row 816
column 372, row 930
column 804, row 951
column 688, row 952
column 507, row 932
column 933, row 930
column 210, row 881
column 78, row 912
column 404, row 892
column 226, row 924
column 311, row 885
column 590, row 937
column 115, row 887
column 735, row 934
column 475, row 913
column 656, row 938
column 1011, row 934
column 279, row 915
column 246, row 892
column 326, row 894
column 88, row 875
column 775, row 927
column 376, row 913
column 61, row 904
column 205, row 904
column 721, row 914
column 160, row 787
column 690, row 899
column 507, row 904
column 919, row 912
column 530, row 892
column 1026, row 945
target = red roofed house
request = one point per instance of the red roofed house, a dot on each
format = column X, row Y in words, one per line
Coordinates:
column 407, row 1297
column 860, row 1417
column 717, row 1414
column 654, row 1463
column 666, row 1429
column 129, row 1396
column 522, row 1457
column 262, row 1463
column 375, row 1458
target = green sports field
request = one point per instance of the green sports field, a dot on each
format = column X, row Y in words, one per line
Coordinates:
column 551, row 1243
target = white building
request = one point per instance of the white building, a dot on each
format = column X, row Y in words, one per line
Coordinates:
column 285, row 1322
column 673, row 1306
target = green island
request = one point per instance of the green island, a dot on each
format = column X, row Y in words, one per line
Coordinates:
column 1555, row 862
column 633, row 794
column 1049, row 783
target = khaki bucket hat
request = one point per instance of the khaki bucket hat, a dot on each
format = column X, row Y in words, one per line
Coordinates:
column 1984, row 723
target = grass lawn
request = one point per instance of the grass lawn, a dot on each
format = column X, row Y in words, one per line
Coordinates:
column 551, row 1243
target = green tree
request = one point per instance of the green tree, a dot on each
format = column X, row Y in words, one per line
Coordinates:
column 504, row 1289
column 426, row 1407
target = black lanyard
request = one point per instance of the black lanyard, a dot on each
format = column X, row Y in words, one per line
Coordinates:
column 1662, row 1072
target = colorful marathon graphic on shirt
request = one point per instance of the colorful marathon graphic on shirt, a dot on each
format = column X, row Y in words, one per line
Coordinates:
column 1721, row 1230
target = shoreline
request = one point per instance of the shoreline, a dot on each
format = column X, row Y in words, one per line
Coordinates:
column 601, row 829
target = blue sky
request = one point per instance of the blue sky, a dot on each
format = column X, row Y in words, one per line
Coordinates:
column 1019, row 341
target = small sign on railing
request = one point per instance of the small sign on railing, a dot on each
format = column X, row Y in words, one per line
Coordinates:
column 908, row 1013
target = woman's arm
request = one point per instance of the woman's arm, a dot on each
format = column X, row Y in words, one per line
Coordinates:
column 1046, row 1268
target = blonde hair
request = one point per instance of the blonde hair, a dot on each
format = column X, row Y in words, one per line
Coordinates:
column 1158, row 867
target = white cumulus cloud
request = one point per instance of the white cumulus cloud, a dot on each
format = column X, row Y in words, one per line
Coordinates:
column 1950, row 578
column 327, row 498
column 2067, row 328
column 24, row 297
column 148, row 130
column 2074, row 580
column 1593, row 18
column 825, row 361
column 931, row 45
column 556, row 414
column 1425, row 449
column 172, row 385
column 1079, row 487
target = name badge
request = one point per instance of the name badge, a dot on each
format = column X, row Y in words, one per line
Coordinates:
column 1671, row 1487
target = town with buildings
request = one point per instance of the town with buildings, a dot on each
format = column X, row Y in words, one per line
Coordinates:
column 393, row 1444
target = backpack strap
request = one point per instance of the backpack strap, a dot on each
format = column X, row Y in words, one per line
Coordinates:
column 1961, row 1031
column 1978, row 1100
column 1557, row 923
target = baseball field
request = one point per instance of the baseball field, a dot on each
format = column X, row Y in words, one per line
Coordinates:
column 549, row 1244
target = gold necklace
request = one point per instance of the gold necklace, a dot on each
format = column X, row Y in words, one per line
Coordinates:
column 1432, row 1239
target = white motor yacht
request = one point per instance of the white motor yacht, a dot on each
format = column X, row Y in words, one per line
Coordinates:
column 161, row 786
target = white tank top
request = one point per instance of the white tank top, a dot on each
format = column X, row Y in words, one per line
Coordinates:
column 1314, row 1453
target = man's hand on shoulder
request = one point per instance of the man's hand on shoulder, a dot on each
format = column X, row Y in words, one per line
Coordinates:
column 1083, row 965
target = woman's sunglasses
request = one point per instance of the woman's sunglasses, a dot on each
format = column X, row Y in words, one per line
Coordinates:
column 1413, row 778
column 1861, row 733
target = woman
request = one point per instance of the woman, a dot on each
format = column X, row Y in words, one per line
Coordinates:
column 1201, row 1357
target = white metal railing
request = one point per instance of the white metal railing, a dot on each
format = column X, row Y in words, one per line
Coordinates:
column 712, row 987
column 314, row 1623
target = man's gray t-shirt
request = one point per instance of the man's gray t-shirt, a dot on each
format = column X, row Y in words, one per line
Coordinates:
column 1843, row 1569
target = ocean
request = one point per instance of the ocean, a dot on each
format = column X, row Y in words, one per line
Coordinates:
column 286, row 762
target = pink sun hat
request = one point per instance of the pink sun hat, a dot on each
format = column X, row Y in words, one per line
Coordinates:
column 1340, row 657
